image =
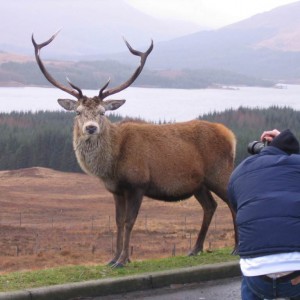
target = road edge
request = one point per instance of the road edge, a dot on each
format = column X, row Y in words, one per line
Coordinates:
column 146, row 281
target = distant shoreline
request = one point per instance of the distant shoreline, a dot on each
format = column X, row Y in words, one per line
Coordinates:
column 14, row 84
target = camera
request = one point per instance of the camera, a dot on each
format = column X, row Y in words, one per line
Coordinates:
column 255, row 147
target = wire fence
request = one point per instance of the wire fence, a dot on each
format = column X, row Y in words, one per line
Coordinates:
column 28, row 233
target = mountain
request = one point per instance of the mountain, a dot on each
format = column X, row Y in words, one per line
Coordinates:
column 284, row 26
column 90, row 27
column 266, row 45
column 17, row 58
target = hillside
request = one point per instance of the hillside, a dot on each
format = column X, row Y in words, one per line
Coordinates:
column 261, row 50
column 93, row 74
column 284, row 26
column 89, row 27
column 44, row 138
column 18, row 58
column 50, row 218
column 265, row 45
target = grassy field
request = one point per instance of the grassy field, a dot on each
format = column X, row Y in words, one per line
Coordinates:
column 50, row 219
column 33, row 279
column 58, row 228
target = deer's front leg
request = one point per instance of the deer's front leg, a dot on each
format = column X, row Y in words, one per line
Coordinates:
column 133, row 204
column 120, row 210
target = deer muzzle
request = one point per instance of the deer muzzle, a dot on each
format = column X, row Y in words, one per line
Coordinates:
column 91, row 128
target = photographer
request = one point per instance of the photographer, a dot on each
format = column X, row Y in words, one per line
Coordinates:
column 264, row 190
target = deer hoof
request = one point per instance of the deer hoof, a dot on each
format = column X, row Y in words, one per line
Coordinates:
column 235, row 251
column 117, row 265
column 111, row 263
column 194, row 253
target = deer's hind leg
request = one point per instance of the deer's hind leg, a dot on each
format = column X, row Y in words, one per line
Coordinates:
column 209, row 206
column 222, row 193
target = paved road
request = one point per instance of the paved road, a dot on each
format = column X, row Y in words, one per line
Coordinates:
column 211, row 290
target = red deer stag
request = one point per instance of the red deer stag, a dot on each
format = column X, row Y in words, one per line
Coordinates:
column 167, row 162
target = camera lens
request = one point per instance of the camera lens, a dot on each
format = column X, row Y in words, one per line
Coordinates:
column 255, row 147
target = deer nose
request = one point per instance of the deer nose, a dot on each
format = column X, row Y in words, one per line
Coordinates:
column 91, row 129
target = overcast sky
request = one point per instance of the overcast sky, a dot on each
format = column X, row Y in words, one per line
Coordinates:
column 211, row 13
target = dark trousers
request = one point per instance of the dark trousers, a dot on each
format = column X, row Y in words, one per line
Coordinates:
column 263, row 287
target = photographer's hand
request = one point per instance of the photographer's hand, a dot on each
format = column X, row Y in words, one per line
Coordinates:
column 269, row 135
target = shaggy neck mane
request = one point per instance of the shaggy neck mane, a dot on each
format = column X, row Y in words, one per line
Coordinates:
column 95, row 153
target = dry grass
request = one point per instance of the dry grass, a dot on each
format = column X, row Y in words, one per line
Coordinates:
column 50, row 218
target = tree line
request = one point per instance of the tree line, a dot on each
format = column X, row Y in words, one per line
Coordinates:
column 249, row 123
column 44, row 138
column 38, row 139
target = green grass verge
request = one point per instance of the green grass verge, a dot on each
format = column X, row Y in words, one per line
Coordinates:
column 33, row 279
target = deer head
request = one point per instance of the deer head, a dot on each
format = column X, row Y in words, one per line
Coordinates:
column 90, row 111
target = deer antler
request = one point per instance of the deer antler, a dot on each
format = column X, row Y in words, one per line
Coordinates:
column 143, row 55
column 76, row 91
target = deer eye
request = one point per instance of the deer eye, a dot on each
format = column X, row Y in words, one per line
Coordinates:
column 101, row 111
column 78, row 112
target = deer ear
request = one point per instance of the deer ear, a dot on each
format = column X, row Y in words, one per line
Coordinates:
column 112, row 104
column 67, row 104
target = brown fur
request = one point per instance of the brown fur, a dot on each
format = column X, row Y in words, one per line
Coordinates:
column 167, row 162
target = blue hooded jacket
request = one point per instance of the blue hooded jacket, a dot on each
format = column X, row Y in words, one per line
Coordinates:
column 264, row 190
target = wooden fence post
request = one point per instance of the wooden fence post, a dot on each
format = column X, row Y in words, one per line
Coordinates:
column 92, row 223
column 146, row 221
column 174, row 250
